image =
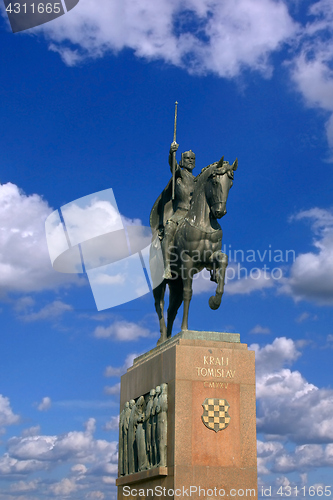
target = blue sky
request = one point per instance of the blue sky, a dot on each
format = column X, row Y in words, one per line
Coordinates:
column 87, row 104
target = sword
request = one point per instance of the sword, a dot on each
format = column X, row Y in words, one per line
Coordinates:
column 174, row 154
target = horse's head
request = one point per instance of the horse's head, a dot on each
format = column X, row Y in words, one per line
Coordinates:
column 217, row 187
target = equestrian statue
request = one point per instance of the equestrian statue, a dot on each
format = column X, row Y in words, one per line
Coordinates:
column 186, row 233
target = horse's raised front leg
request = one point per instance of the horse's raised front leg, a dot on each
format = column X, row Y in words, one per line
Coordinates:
column 159, row 293
column 222, row 261
column 175, row 300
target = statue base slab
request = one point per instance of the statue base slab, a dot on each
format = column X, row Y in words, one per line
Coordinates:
column 202, row 369
column 138, row 477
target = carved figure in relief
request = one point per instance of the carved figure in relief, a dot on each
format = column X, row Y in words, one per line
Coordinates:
column 121, row 441
column 127, row 413
column 162, row 425
column 131, row 438
column 154, row 426
column 143, row 432
column 140, row 439
column 149, row 418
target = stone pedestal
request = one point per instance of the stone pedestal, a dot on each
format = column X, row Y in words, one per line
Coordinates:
column 202, row 370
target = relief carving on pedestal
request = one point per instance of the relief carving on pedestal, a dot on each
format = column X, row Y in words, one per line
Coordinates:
column 143, row 432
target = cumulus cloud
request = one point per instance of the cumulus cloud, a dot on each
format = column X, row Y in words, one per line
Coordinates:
column 276, row 457
column 288, row 405
column 205, row 36
column 272, row 357
column 28, row 453
column 7, row 416
column 199, row 35
column 202, row 36
column 45, row 404
column 311, row 275
column 24, row 259
column 122, row 330
column 64, row 487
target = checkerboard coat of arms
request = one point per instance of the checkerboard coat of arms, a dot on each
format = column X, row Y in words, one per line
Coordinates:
column 215, row 415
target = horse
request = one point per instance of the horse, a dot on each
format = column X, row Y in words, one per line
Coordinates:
column 197, row 245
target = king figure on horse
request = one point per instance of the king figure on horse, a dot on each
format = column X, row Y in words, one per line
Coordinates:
column 185, row 228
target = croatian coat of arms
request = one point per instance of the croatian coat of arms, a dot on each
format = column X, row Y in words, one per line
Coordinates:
column 215, row 415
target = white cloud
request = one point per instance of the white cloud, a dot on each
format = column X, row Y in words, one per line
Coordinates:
column 95, row 495
column 64, row 487
column 273, row 357
column 224, row 36
column 204, row 36
column 77, row 446
column 311, row 68
column 303, row 459
column 238, row 281
column 202, row 283
column 113, row 389
column 31, row 431
column 24, row 486
column 45, row 404
column 7, row 417
column 22, row 304
column 106, row 279
column 258, row 329
column 311, row 275
column 79, row 469
column 112, row 424
column 24, row 259
column 302, row 317
column 112, row 371
column 91, row 216
column 51, row 311
column 288, row 405
column 122, row 330
column 254, row 281
column 12, row 466
column 266, row 453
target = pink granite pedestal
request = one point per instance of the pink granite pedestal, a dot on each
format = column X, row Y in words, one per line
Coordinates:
column 201, row 463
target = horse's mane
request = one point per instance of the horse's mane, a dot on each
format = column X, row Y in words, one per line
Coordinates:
column 198, row 177
column 226, row 164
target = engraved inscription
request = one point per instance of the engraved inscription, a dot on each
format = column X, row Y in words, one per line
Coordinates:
column 215, row 372
column 215, row 367
column 216, row 385
column 211, row 360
